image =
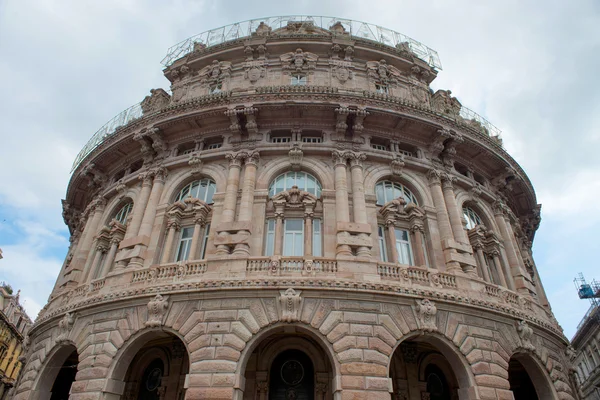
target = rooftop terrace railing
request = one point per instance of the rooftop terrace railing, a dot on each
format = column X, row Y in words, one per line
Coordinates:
column 134, row 112
column 358, row 29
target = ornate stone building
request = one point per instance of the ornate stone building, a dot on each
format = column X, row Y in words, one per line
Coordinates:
column 14, row 325
column 586, row 355
column 300, row 217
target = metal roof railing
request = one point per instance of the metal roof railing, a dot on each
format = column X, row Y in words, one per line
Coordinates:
column 358, row 29
column 469, row 114
column 107, row 130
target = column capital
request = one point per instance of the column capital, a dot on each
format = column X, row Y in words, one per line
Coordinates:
column 434, row 176
column 356, row 159
column 146, row 178
column 235, row 159
column 160, row 173
column 102, row 248
column 252, row 158
column 339, row 157
column 448, row 181
column 173, row 223
column 499, row 208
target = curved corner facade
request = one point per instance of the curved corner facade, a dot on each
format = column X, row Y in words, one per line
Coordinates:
column 300, row 217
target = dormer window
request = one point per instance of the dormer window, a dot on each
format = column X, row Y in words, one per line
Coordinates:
column 298, row 80
column 216, row 88
column 381, row 88
column 379, row 146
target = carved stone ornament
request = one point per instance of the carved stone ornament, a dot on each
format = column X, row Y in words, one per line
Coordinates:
column 397, row 164
column 570, row 353
column 254, row 71
column 380, row 71
column 157, row 308
column 443, row 102
column 296, row 156
column 217, row 71
column 157, row 100
column 195, row 162
column 64, row 328
column 299, row 60
column 290, row 304
column 426, row 312
column 525, row 332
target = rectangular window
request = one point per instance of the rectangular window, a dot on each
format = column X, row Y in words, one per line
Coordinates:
column 214, row 146
column 298, row 80
column 406, row 153
column 185, row 242
column 293, row 238
column 493, row 273
column 380, row 88
column 379, row 146
column 281, row 140
column 216, row 88
column 382, row 246
column 312, row 140
column 317, row 238
column 403, row 247
column 270, row 238
column 204, row 241
column 188, row 151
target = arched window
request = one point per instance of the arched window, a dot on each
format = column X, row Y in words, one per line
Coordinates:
column 203, row 189
column 472, row 218
column 388, row 191
column 303, row 180
column 123, row 213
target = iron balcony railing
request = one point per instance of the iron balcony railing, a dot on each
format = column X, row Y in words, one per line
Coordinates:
column 358, row 29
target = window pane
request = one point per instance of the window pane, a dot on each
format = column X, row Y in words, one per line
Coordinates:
column 288, row 244
column 210, row 192
column 389, row 192
column 381, row 239
column 298, row 244
column 380, row 194
column 187, row 233
column 301, row 181
column 290, row 180
column 202, row 190
column 317, row 250
column 204, row 241
column 294, row 225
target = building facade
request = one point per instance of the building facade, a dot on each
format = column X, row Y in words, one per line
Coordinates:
column 14, row 325
column 586, row 356
column 300, row 217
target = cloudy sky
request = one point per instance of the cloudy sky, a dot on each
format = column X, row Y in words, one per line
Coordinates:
column 530, row 67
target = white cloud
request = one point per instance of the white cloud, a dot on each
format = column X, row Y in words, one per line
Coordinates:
column 69, row 66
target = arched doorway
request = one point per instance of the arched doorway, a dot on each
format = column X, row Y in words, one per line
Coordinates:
column 157, row 370
column 57, row 376
column 287, row 364
column 419, row 370
column 528, row 379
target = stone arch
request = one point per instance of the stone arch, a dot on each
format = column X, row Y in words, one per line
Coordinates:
column 416, row 185
column 115, row 204
column 182, row 177
column 459, row 364
column 483, row 210
column 536, row 371
column 119, row 369
column 52, row 367
column 273, row 168
column 299, row 328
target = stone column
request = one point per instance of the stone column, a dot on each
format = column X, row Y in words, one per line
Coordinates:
column 199, row 224
column 174, row 226
column 511, row 254
column 278, row 242
column 308, row 233
column 341, row 199
column 139, row 205
column 435, row 184
column 501, row 269
column 110, row 257
column 96, row 265
column 482, row 263
column 247, row 201
column 231, row 193
column 359, row 206
column 417, row 236
column 160, row 175
column 233, row 182
column 84, row 258
column 454, row 214
column 391, row 230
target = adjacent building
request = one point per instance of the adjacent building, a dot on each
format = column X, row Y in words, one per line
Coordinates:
column 14, row 325
column 299, row 217
column 586, row 356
